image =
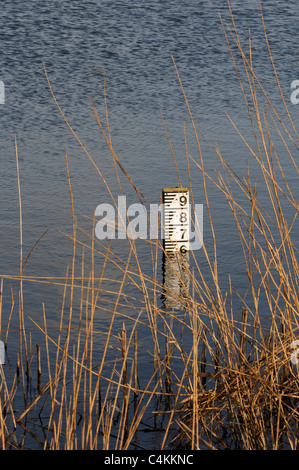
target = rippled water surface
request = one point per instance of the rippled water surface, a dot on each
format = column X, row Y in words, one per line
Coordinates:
column 131, row 41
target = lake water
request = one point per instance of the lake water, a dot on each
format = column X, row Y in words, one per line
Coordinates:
column 132, row 43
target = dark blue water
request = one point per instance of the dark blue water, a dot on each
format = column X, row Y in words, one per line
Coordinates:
column 132, row 43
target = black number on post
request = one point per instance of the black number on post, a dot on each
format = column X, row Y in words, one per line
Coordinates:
column 183, row 217
column 183, row 200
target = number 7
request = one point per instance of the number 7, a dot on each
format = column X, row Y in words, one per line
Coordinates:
column 183, row 230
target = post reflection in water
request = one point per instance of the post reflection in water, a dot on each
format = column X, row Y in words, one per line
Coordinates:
column 176, row 280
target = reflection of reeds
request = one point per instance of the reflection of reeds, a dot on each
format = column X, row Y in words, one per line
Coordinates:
column 213, row 377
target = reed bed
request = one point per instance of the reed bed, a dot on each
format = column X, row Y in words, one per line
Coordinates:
column 219, row 373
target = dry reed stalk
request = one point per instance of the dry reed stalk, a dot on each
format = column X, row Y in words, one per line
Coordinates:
column 195, row 427
column 123, row 340
column 20, row 297
column 135, row 362
column 3, row 430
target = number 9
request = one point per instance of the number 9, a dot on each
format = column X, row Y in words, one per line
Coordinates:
column 183, row 200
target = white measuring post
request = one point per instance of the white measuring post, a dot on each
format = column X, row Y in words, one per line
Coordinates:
column 176, row 219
